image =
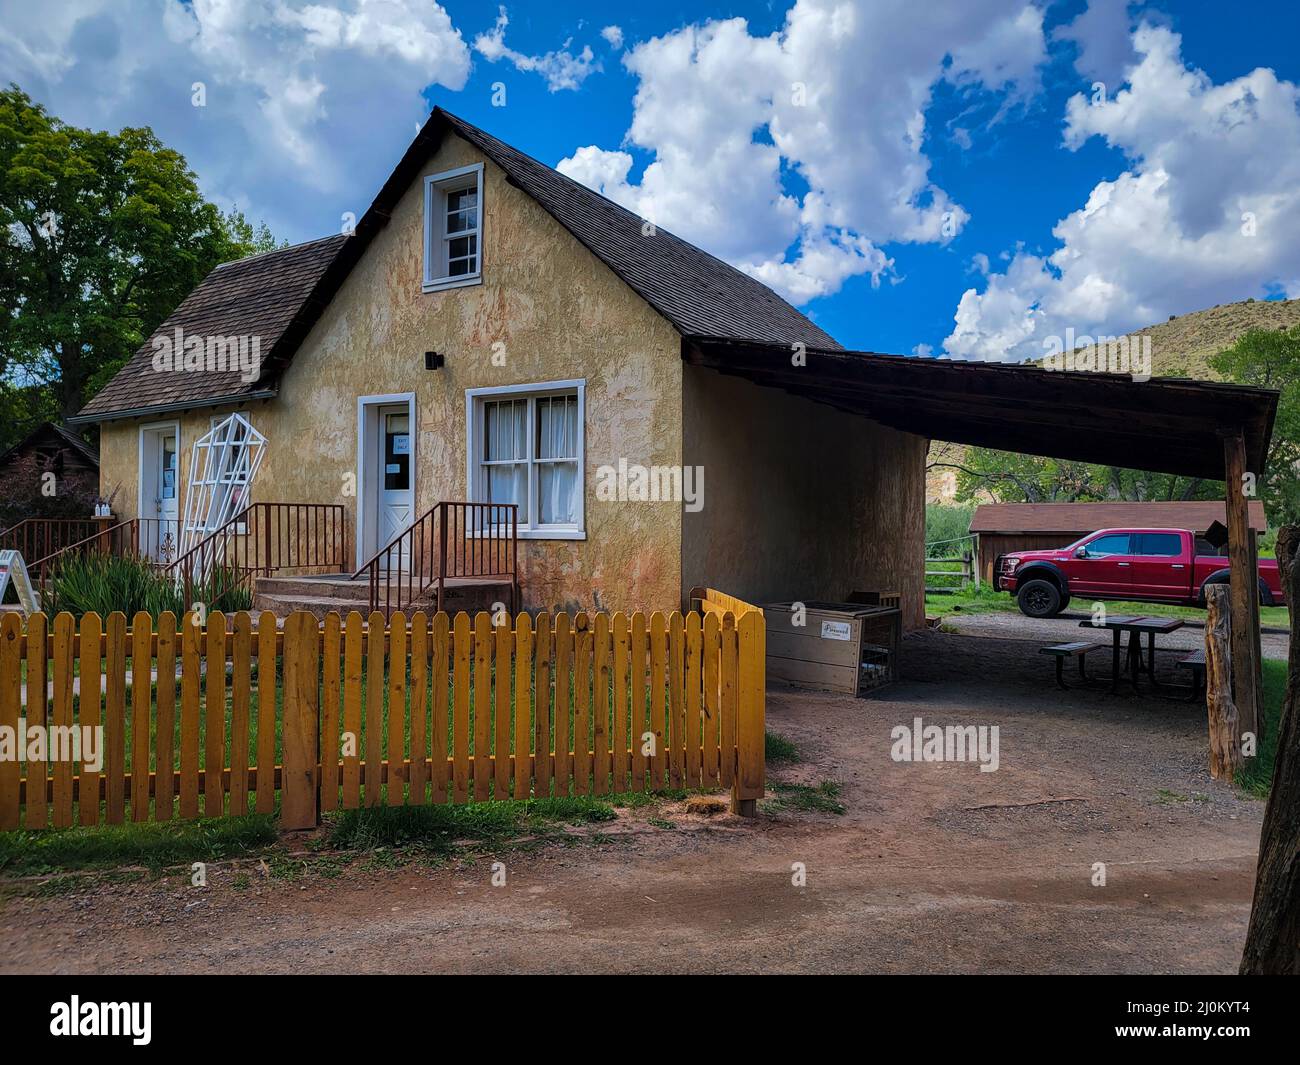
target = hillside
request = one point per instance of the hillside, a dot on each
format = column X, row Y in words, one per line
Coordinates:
column 1180, row 347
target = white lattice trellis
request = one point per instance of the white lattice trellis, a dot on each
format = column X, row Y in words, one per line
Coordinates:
column 223, row 463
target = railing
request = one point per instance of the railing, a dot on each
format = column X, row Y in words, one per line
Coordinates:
column 151, row 538
column 267, row 538
column 35, row 538
column 452, row 541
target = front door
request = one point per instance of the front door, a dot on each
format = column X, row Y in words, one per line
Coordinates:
column 394, row 476
column 159, row 492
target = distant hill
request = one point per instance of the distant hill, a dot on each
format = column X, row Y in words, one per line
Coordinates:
column 1180, row 347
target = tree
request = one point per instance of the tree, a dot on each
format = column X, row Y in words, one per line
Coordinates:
column 1270, row 358
column 101, row 236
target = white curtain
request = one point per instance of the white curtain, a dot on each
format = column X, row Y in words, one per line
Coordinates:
column 557, row 467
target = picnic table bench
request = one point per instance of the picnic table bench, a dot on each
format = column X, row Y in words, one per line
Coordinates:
column 1061, row 651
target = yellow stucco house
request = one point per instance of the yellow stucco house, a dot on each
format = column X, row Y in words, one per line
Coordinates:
column 492, row 331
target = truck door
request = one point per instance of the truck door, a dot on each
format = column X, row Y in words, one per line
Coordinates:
column 1102, row 567
column 1162, row 566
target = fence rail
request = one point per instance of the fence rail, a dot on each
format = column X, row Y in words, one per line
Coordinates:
column 35, row 538
column 353, row 712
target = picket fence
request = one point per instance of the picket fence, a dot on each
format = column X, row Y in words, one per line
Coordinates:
column 368, row 711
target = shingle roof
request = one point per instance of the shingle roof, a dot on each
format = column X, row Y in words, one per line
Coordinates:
column 1047, row 518
column 260, row 296
column 278, row 295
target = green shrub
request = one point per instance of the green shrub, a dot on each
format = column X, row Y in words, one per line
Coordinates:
column 947, row 524
column 104, row 583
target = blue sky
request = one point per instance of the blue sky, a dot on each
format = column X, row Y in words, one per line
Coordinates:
column 940, row 186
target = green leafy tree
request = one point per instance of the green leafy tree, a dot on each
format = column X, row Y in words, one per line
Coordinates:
column 1270, row 358
column 101, row 236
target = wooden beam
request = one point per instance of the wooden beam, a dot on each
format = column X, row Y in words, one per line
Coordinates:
column 1244, row 585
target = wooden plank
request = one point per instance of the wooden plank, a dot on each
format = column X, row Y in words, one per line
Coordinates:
column 503, row 656
column 600, row 705
column 396, row 707
column 542, row 758
column 11, row 695
column 190, row 636
column 440, row 713
column 582, row 648
column 353, row 648
column 241, row 697
column 694, row 707
column 730, row 693
column 115, row 720
column 164, row 795
column 374, row 731
column 89, row 713
column 214, row 717
column 658, row 694
column 1225, row 743
column 299, row 785
column 418, row 785
column 267, row 711
column 460, row 712
column 331, row 693
column 63, row 666
column 523, row 698
column 622, row 751
column 36, row 813
column 750, row 716
column 711, row 650
column 811, row 647
column 482, row 706
column 676, row 699
column 640, row 720
column 563, row 767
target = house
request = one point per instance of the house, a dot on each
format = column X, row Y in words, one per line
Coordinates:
column 1006, row 527
column 492, row 331
column 49, row 448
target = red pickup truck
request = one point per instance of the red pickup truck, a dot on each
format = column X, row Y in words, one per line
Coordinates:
column 1142, row 565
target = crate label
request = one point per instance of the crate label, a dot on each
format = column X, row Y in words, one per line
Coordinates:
column 837, row 630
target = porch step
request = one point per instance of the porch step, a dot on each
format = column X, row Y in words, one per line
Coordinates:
column 334, row 586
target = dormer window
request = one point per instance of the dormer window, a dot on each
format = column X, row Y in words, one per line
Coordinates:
column 453, row 228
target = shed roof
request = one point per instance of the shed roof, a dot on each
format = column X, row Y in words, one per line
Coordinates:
column 1049, row 518
column 1168, row 425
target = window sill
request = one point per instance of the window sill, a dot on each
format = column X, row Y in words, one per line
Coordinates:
column 539, row 534
column 439, row 284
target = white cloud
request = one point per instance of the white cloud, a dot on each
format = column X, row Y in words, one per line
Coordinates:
column 304, row 104
column 1208, row 211
column 1101, row 35
column 562, row 69
column 837, row 98
column 613, row 36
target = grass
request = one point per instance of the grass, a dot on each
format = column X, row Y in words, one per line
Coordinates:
column 1256, row 778
column 986, row 601
column 824, row 798
column 778, row 749
column 156, row 846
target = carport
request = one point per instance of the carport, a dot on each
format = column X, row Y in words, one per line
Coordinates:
column 1169, row 425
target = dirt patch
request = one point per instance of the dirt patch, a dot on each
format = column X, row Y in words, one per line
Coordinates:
column 933, row 867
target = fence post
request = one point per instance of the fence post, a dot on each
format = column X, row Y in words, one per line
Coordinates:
column 299, row 790
column 750, row 782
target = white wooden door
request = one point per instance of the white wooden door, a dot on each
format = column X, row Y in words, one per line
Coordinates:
column 159, row 494
column 394, row 477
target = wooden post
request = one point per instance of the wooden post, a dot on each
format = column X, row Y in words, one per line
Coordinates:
column 751, row 780
column 299, row 792
column 1273, row 935
column 1244, row 587
column 1225, row 737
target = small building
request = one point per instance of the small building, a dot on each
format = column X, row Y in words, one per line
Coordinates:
column 1006, row 527
column 49, row 448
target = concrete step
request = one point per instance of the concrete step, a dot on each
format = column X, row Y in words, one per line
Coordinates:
column 332, row 587
column 320, row 605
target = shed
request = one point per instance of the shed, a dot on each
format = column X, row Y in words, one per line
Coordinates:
column 1006, row 527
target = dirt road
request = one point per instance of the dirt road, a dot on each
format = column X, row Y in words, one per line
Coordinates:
column 932, row 868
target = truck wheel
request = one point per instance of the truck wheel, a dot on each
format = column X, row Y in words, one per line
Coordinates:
column 1265, row 595
column 1039, row 599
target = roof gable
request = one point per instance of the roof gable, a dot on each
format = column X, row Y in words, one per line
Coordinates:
column 279, row 295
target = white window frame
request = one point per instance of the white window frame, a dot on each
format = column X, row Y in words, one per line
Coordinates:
column 476, row 488
column 436, row 188
column 241, row 528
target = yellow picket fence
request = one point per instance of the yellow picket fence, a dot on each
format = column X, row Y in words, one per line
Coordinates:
column 367, row 711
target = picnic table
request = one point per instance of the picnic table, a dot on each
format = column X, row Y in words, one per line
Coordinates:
column 1135, row 627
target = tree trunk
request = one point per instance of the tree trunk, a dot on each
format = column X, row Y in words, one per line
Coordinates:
column 1225, row 749
column 1273, row 938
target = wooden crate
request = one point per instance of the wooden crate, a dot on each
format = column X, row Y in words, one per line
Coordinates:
column 842, row 647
